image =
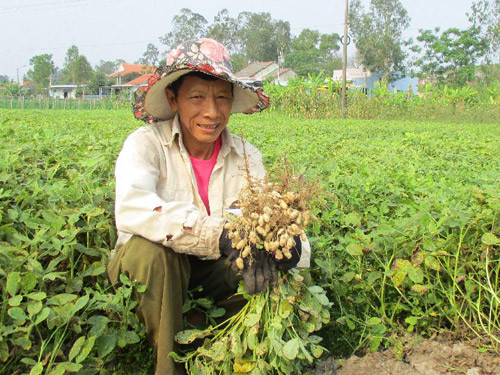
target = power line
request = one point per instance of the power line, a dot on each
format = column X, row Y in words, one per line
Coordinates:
column 310, row 27
column 79, row 46
column 53, row 5
column 41, row 4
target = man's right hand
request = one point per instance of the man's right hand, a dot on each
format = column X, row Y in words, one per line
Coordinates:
column 259, row 268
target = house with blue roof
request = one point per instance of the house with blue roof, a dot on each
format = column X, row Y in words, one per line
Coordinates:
column 361, row 79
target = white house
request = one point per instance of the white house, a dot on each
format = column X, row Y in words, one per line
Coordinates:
column 360, row 78
column 64, row 91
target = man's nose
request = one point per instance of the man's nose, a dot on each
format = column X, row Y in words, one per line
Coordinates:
column 210, row 107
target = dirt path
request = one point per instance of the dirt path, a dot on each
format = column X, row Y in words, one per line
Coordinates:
column 429, row 357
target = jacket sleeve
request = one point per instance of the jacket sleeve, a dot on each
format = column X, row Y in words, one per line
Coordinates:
column 139, row 209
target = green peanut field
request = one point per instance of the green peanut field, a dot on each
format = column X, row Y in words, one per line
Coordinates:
column 407, row 238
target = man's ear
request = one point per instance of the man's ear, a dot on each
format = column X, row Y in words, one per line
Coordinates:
column 171, row 99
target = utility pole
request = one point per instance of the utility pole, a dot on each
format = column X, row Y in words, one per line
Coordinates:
column 17, row 71
column 344, row 69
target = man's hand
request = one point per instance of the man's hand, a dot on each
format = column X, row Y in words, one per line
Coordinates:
column 259, row 272
column 259, row 269
column 226, row 248
column 296, row 251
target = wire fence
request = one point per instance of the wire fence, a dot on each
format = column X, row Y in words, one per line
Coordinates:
column 22, row 102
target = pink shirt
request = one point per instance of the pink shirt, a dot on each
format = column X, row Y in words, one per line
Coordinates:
column 203, row 170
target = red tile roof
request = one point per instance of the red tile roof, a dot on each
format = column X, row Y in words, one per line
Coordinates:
column 140, row 80
column 125, row 69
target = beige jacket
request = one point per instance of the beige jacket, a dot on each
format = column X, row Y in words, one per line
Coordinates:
column 157, row 195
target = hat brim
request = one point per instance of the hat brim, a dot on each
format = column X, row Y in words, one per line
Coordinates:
column 247, row 99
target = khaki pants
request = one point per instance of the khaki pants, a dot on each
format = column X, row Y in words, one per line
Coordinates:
column 167, row 276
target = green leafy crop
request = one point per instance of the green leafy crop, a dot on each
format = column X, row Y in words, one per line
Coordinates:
column 407, row 240
column 271, row 334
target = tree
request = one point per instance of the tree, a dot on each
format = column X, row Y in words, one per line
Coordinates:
column 106, row 67
column 451, row 56
column 77, row 69
column 42, row 67
column 225, row 30
column 312, row 52
column 485, row 15
column 304, row 55
column 328, row 48
column 4, row 79
column 151, row 56
column 262, row 38
column 186, row 26
column 82, row 70
column 12, row 89
column 378, row 36
column 68, row 71
column 98, row 80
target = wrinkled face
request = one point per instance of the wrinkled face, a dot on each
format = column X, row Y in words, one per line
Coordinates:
column 204, row 108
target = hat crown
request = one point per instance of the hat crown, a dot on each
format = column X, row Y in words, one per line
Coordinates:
column 205, row 54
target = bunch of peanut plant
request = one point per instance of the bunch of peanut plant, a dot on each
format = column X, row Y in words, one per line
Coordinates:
column 273, row 215
column 271, row 334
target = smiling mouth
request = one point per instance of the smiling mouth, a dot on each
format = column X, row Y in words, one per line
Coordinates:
column 209, row 127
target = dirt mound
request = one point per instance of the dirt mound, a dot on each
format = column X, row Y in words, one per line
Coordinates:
column 429, row 357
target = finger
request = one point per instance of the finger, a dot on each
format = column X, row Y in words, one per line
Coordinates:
column 259, row 279
column 274, row 272
column 266, row 271
column 249, row 279
column 233, row 255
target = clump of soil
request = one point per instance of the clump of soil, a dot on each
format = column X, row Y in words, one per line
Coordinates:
column 427, row 357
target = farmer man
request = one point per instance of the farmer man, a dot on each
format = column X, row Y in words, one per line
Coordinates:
column 174, row 181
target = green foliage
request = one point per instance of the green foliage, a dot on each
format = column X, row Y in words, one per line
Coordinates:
column 59, row 312
column 98, row 80
column 107, row 67
column 262, row 38
column 317, row 96
column 450, row 57
column 485, row 15
column 11, row 89
column 225, row 30
column 119, row 101
column 271, row 334
column 187, row 25
column 42, row 67
column 151, row 56
column 77, row 70
column 408, row 239
column 378, row 35
column 254, row 36
column 312, row 52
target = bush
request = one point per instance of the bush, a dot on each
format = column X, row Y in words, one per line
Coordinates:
column 59, row 312
column 319, row 97
column 408, row 240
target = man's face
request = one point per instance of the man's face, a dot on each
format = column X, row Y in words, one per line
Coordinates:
column 204, row 108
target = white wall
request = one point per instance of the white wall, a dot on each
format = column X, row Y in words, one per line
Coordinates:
column 58, row 92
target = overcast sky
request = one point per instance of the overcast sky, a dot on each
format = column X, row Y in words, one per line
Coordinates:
column 121, row 29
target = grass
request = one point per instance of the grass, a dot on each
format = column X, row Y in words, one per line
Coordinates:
column 407, row 241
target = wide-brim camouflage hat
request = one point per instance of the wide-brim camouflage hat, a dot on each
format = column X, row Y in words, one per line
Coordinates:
column 203, row 55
